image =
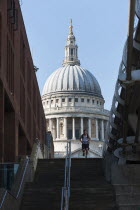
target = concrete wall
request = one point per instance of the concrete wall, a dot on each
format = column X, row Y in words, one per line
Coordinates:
column 126, row 182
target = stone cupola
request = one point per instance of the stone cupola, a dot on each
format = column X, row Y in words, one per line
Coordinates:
column 71, row 49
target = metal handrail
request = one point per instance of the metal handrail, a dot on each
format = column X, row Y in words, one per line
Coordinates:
column 19, row 190
column 28, row 159
column 1, row 204
column 66, row 189
column 22, row 179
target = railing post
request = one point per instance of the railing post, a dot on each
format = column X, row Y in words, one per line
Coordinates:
column 66, row 189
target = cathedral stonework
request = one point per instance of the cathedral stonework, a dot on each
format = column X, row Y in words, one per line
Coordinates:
column 72, row 102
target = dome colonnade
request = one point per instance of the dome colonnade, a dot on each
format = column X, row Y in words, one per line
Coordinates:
column 72, row 127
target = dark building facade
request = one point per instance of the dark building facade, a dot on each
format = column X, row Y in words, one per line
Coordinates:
column 22, row 117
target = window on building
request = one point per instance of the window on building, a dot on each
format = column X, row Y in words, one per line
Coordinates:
column 100, row 103
column 76, row 99
column 61, row 128
column 88, row 100
column 69, row 133
column 57, row 100
column 82, row 99
column 47, row 102
column 97, row 102
column 77, row 133
column 63, row 99
column 71, row 51
column 93, row 101
column 70, row 99
column 71, row 42
column 51, row 101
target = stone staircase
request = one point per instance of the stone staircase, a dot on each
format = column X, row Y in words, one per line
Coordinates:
column 45, row 192
column 89, row 190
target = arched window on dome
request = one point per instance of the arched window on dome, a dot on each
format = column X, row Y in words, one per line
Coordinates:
column 71, row 52
column 76, row 99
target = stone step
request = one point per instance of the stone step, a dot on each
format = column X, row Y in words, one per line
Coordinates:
column 129, row 207
column 93, row 207
column 41, row 206
column 89, row 190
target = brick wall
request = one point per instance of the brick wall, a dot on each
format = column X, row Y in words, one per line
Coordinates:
column 19, row 92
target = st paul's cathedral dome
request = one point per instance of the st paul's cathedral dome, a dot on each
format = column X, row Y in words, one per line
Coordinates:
column 73, row 101
column 72, row 78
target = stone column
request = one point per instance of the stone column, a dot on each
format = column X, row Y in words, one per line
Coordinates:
column 105, row 128
column 47, row 124
column 50, row 124
column 54, row 102
column 60, row 101
column 82, row 128
column 89, row 127
column 67, row 101
column 102, row 130
column 73, row 128
column 73, row 101
column 57, row 128
column 53, row 129
column 65, row 128
column 97, row 130
column 50, row 103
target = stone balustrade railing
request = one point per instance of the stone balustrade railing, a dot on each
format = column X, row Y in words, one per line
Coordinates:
column 76, row 109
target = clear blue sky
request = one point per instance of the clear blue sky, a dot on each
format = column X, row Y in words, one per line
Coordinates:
column 100, row 28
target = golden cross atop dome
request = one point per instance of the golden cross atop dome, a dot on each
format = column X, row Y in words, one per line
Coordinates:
column 71, row 27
